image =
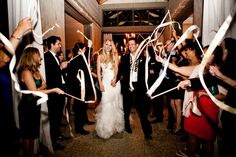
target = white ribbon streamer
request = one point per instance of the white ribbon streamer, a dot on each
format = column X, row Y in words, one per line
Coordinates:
column 43, row 97
column 169, row 90
column 7, row 43
column 34, row 8
column 137, row 54
column 88, row 67
column 185, row 35
column 158, row 80
column 161, row 77
column 68, row 121
column 142, row 46
column 91, row 79
column 89, row 53
column 217, row 39
column 80, row 77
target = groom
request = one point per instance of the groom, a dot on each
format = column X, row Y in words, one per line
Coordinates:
column 137, row 96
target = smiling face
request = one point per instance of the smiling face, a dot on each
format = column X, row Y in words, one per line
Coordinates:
column 37, row 59
column 132, row 46
column 108, row 46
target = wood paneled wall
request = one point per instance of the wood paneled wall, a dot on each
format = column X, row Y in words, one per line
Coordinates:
column 53, row 12
column 71, row 35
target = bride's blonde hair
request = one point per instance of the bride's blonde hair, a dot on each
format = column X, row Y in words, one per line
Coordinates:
column 111, row 55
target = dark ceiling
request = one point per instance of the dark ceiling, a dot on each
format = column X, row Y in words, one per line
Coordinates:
column 147, row 17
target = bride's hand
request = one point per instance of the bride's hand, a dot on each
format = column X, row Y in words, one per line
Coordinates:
column 113, row 82
column 102, row 89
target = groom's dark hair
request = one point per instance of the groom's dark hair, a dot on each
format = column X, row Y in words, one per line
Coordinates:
column 132, row 38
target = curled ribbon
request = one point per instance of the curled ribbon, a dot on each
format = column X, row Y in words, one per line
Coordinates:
column 161, row 77
column 43, row 97
column 88, row 67
column 91, row 79
column 89, row 53
column 80, row 77
column 216, row 40
column 140, row 49
column 34, row 8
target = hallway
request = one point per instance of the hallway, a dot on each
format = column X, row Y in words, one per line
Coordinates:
column 163, row 144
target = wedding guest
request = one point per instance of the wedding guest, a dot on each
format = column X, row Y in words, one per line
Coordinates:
column 29, row 112
column 10, row 136
column 5, row 53
column 78, row 63
column 55, row 78
column 199, row 110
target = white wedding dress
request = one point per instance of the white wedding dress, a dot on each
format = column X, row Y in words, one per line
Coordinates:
column 109, row 113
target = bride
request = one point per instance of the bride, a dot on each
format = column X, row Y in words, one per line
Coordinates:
column 109, row 113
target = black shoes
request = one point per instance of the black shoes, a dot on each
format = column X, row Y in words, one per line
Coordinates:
column 170, row 126
column 63, row 138
column 90, row 123
column 58, row 146
column 82, row 132
column 148, row 137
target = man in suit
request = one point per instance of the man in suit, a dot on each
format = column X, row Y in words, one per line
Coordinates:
column 78, row 63
column 137, row 96
column 54, row 78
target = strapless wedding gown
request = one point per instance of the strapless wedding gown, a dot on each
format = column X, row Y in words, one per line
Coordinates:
column 109, row 113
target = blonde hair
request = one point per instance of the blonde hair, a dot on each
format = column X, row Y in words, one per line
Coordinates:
column 111, row 56
column 29, row 60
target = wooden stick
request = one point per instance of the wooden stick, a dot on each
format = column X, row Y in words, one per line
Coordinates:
column 73, row 96
column 82, row 34
column 89, row 101
column 73, row 58
column 169, row 90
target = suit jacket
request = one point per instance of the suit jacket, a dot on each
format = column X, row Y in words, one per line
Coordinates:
column 53, row 71
column 73, row 83
column 124, row 73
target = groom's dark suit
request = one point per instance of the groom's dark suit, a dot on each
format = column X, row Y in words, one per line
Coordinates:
column 137, row 96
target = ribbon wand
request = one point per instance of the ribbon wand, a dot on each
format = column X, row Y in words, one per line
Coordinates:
column 82, row 34
column 73, row 96
column 169, row 90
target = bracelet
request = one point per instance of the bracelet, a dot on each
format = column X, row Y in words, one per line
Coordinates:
column 15, row 37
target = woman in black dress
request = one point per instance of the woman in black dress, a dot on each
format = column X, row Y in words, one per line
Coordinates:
column 29, row 112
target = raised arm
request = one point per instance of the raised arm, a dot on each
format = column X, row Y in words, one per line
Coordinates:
column 218, row 74
column 183, row 70
column 23, row 26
